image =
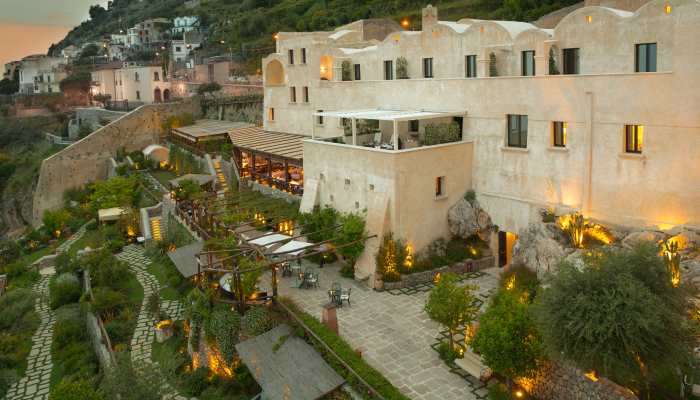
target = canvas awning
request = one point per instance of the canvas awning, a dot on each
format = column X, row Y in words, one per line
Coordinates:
column 289, row 368
column 185, row 258
column 294, row 248
column 205, row 129
column 389, row 115
column 269, row 239
column 111, row 214
column 284, row 145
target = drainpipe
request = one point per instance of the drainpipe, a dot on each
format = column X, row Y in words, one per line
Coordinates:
column 586, row 193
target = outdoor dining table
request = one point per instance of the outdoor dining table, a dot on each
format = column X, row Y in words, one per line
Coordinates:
column 334, row 293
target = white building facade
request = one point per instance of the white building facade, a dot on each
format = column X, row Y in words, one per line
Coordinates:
column 607, row 125
column 41, row 74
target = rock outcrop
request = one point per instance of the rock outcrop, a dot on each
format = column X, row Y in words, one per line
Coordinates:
column 540, row 247
column 466, row 218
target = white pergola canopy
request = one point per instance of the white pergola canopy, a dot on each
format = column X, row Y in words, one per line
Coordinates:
column 390, row 115
column 267, row 240
column 294, row 247
column 395, row 116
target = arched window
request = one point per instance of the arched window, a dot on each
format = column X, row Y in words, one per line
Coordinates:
column 274, row 73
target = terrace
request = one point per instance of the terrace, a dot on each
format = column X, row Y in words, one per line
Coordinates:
column 395, row 129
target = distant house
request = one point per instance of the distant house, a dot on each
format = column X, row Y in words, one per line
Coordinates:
column 185, row 24
column 71, row 51
column 218, row 69
column 147, row 34
column 140, row 83
column 41, row 74
column 181, row 49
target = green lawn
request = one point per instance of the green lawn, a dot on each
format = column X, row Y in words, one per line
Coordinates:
column 163, row 272
column 164, row 176
column 91, row 238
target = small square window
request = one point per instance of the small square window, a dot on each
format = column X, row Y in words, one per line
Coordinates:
column 371, row 187
column 516, row 131
column 413, row 126
column 293, row 94
column 645, row 57
column 291, row 56
column 305, row 94
column 347, row 181
column 427, row 67
column 634, row 138
column 559, row 134
column 271, row 114
column 319, row 118
column 440, row 186
column 357, row 205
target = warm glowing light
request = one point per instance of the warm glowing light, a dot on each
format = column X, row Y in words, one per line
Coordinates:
column 130, row 231
column 592, row 375
column 510, row 282
column 57, row 233
column 276, row 36
column 323, row 69
column 405, row 23
column 408, row 261
column 437, row 278
column 667, row 8
column 217, row 364
column 589, row 18
column 163, row 164
column 172, row 248
column 673, row 261
column 164, row 324
column 519, row 394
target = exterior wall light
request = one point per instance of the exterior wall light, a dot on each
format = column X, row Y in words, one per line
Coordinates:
column 589, row 18
column 668, row 8
column 592, row 375
column 405, row 23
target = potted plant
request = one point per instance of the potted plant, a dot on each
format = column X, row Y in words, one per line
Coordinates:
column 163, row 324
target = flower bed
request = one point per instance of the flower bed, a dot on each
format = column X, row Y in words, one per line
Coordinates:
column 408, row 280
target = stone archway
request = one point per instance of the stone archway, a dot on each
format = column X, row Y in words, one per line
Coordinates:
column 157, row 96
column 274, row 73
column 166, row 95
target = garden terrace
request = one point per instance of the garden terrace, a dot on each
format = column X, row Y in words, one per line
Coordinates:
column 273, row 159
column 203, row 133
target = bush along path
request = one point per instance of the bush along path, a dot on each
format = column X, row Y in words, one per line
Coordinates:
column 35, row 383
column 144, row 334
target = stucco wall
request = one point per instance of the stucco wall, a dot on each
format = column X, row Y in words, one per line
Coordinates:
column 86, row 160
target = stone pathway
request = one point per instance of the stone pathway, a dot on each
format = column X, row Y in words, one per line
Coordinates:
column 65, row 246
column 394, row 333
column 142, row 341
column 35, row 384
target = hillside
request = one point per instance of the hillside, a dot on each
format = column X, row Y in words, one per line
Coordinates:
column 247, row 26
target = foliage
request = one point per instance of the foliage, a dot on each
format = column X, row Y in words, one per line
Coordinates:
column 345, row 68
column 64, row 289
column 189, row 190
column 470, row 195
column 620, row 316
column 108, row 303
column 499, row 392
column 522, row 280
column 208, row 88
column 507, row 338
column 257, row 320
column 353, row 230
column 183, row 161
column 493, row 69
column 441, row 133
column 451, row 305
column 224, row 326
column 553, row 68
column 78, row 80
column 106, row 270
column 115, row 192
column 401, row 68
column 18, row 321
column 10, row 251
column 178, row 121
column 84, row 130
column 71, row 350
column 389, row 257
column 55, row 221
column 319, row 223
column 9, row 86
column 346, row 353
column 80, row 389
column 447, row 353
column 129, row 381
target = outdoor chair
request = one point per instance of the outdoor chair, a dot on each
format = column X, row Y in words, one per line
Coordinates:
column 312, row 280
column 345, row 296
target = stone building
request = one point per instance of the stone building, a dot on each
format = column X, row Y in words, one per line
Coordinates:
column 598, row 114
column 41, row 74
column 131, row 82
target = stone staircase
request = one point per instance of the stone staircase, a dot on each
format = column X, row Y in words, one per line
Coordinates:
column 223, row 185
column 156, row 228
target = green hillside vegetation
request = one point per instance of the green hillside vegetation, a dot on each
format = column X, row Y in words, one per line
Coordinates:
column 246, row 27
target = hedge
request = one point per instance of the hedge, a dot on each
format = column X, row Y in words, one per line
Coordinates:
column 370, row 375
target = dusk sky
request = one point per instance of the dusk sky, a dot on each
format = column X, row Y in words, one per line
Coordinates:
column 30, row 26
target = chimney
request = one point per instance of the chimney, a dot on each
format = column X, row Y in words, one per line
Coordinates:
column 430, row 17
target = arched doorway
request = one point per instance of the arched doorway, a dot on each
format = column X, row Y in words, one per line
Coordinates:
column 166, row 95
column 274, row 73
column 156, row 96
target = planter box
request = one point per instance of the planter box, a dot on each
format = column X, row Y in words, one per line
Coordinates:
column 418, row 278
column 164, row 331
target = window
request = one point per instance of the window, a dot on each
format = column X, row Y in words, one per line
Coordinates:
column 645, row 57
column 571, row 61
column 303, row 56
column 136, row 76
column 293, row 94
column 634, row 138
column 358, row 72
column 440, row 186
column 388, row 70
column 155, row 76
column 427, row 67
column 528, row 63
column 138, row 95
column 305, row 94
column 291, row 56
column 319, row 119
column 517, row 131
column 271, row 114
column 470, row 66
column 413, row 126
column 178, row 49
column 559, row 134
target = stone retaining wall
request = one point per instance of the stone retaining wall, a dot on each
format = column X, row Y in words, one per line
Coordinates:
column 87, row 159
column 564, row 382
column 408, row 280
column 98, row 335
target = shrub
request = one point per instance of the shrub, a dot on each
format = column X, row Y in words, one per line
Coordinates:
column 79, row 389
column 120, row 329
column 68, row 330
column 108, row 303
column 257, row 321
column 401, row 68
column 15, row 305
column 196, row 382
column 390, row 258
column 65, row 263
column 451, row 305
column 106, row 270
column 224, row 326
column 71, row 351
column 499, row 392
column 10, row 251
column 64, row 289
column 345, row 68
column 208, row 88
column 441, row 133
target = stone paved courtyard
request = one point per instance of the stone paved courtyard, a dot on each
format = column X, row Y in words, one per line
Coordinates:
column 394, row 333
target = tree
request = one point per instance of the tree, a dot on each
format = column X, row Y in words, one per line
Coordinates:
column 80, row 81
column 353, row 230
column 74, row 390
column 507, row 338
column 8, row 86
column 189, row 190
column 115, row 192
column 451, row 305
column 620, row 316
column 208, row 88
column 55, row 221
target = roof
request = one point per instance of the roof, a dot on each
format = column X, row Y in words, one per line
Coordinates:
column 253, row 138
column 389, row 115
column 206, row 128
column 201, row 179
column 287, row 368
column 294, row 248
column 266, row 240
column 185, row 258
column 111, row 214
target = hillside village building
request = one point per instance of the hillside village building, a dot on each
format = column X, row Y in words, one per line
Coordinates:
column 607, row 125
column 147, row 34
column 131, row 82
column 41, row 74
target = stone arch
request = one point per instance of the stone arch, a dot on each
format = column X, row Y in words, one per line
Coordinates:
column 274, row 73
column 157, row 96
